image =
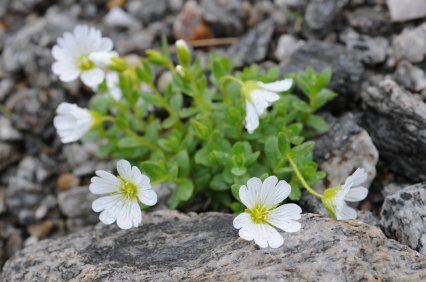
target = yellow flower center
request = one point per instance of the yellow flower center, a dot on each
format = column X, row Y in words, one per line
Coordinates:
column 84, row 63
column 128, row 189
column 258, row 213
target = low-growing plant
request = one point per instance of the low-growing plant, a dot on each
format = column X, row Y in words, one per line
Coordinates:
column 204, row 126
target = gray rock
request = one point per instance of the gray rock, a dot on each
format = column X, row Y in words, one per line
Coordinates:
column 138, row 41
column 411, row 77
column 392, row 188
column 403, row 216
column 2, row 200
column 223, row 16
column 287, row 45
column 76, row 205
column 373, row 50
column 116, row 17
column 206, row 247
column 30, row 48
column 7, row 132
column 396, row 121
column 370, row 20
column 410, row 44
column 6, row 86
column 343, row 149
column 147, row 11
column 253, row 47
column 28, row 6
column 347, row 68
column 34, row 109
column 291, row 3
column 10, row 241
column 320, row 16
column 9, row 154
column 403, row 10
column 369, row 218
column 28, row 186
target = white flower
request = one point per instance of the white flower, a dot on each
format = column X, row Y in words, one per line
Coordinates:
column 82, row 53
column 72, row 122
column 262, row 213
column 335, row 198
column 259, row 96
column 124, row 193
column 113, row 84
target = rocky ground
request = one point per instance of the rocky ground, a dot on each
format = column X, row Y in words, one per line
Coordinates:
column 377, row 53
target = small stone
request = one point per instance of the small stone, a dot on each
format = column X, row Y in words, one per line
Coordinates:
column 404, row 10
column 7, row 131
column 369, row 218
column 287, row 45
column 147, row 11
column 2, row 200
column 370, row 20
column 403, row 216
column 67, row 181
column 223, row 16
column 175, row 5
column 41, row 230
column 410, row 44
column 393, row 188
column 411, row 77
column 190, row 25
column 116, row 17
column 254, row 45
column 8, row 155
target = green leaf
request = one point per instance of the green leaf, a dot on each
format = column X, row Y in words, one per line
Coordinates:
column 181, row 193
column 154, row 171
column 129, row 142
column 235, row 189
column 318, row 123
column 100, row 103
column 182, row 160
column 176, row 102
column 272, row 151
column 238, row 171
column 219, row 184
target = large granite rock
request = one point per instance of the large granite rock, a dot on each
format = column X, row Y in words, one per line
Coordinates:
column 403, row 216
column 396, row 121
column 170, row 246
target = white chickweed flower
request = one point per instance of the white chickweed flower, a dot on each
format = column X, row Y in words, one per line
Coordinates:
column 258, row 97
column 123, row 195
column 262, row 214
column 335, row 198
column 72, row 122
column 83, row 53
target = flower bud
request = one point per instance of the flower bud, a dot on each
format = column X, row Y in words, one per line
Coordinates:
column 183, row 52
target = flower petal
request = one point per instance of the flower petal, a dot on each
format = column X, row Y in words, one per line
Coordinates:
column 124, row 169
column 346, row 212
column 252, row 119
column 262, row 99
column 106, row 202
column 147, row 197
column 277, row 86
column 104, row 184
column 93, row 77
column 243, row 219
column 356, row 194
column 357, row 178
column 265, row 235
column 249, row 195
column 124, row 212
column 272, row 193
column 66, row 72
column 285, row 217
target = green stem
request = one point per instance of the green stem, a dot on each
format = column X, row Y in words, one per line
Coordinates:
column 302, row 179
column 141, row 140
column 228, row 77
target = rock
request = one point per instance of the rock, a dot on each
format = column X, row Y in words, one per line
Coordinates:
column 206, row 247
column 339, row 152
column 67, row 181
column 34, row 109
column 2, row 200
column 287, row 45
column 253, row 46
column 373, row 50
column 30, row 48
column 392, row 188
column 343, row 149
column 261, row 10
column 396, row 121
column 10, row 241
column 347, row 68
column 223, row 16
column 291, row 3
column 410, row 44
column 411, row 77
column 368, row 218
column 190, row 25
column 9, row 154
column 320, row 16
column 6, row 86
column 76, row 205
column 147, row 11
column 116, row 17
column 403, row 10
column 40, row 231
column 28, row 6
column 371, row 20
column 403, row 216
column 28, row 187
column 138, row 41
column 7, row 132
